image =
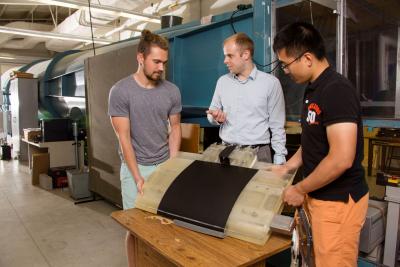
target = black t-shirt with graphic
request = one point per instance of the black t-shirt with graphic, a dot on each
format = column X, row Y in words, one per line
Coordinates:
column 328, row 100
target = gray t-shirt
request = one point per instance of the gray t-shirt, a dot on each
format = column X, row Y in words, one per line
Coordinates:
column 148, row 111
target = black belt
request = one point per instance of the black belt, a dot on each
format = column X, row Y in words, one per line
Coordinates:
column 243, row 146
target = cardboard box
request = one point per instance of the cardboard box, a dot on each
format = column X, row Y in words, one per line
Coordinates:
column 45, row 181
column 30, row 134
column 19, row 74
column 40, row 164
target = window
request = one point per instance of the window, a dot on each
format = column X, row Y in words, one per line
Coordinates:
column 372, row 52
column 324, row 19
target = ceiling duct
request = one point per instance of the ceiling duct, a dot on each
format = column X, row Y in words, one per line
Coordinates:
column 77, row 23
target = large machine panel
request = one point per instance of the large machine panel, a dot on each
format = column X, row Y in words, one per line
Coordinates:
column 197, row 60
column 102, row 72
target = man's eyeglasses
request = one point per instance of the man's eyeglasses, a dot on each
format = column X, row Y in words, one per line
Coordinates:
column 285, row 66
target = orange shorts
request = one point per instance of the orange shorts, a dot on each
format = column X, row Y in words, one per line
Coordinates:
column 336, row 230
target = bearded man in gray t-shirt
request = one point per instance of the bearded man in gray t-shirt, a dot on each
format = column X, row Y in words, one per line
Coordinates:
column 142, row 106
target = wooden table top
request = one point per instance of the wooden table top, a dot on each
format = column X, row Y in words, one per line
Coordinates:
column 184, row 247
column 385, row 140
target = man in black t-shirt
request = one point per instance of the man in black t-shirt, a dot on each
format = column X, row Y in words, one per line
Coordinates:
column 333, row 190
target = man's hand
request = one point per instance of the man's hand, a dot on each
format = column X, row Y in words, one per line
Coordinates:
column 139, row 184
column 293, row 196
column 217, row 114
column 279, row 169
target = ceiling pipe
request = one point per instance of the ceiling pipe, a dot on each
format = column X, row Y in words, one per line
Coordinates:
column 115, row 11
column 6, row 38
column 52, row 35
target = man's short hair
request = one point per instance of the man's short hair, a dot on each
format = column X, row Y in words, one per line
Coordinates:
column 298, row 38
column 243, row 41
column 149, row 39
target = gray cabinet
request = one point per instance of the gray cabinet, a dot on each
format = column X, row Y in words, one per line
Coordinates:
column 24, row 113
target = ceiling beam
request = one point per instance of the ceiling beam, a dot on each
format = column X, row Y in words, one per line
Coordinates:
column 18, row 59
column 101, row 8
column 30, row 12
column 53, row 35
column 27, row 19
column 52, row 17
column 22, row 3
column 2, row 10
column 327, row 3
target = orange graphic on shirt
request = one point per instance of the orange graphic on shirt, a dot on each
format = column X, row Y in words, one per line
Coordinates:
column 313, row 111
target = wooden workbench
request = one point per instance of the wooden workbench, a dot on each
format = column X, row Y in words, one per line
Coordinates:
column 384, row 142
column 161, row 243
column 62, row 153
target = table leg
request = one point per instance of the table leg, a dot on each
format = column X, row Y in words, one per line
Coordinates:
column 383, row 159
column 370, row 155
column 391, row 237
column 29, row 157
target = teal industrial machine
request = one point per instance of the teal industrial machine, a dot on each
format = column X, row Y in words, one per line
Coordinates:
column 195, row 63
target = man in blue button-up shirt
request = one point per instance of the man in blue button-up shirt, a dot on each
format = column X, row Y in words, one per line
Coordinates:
column 248, row 102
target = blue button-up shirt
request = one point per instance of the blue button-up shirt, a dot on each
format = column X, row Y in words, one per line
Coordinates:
column 252, row 106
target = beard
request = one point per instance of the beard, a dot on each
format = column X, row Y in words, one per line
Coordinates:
column 155, row 76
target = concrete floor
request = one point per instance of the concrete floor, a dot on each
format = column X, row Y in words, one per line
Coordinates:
column 45, row 228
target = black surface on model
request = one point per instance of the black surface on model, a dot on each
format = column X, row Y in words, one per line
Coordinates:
column 204, row 194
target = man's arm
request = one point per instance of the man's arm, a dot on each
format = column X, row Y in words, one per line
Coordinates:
column 215, row 115
column 276, row 122
column 292, row 164
column 342, row 139
column 174, row 139
column 121, row 127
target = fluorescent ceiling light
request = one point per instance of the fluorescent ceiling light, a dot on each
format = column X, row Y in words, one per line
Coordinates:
column 21, row 3
column 19, row 59
column 53, row 35
column 75, row 5
column 101, row 8
column 1, row 57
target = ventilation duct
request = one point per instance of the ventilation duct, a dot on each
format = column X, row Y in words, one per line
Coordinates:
column 77, row 23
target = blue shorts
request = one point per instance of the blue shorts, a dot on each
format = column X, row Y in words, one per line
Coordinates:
column 128, row 184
